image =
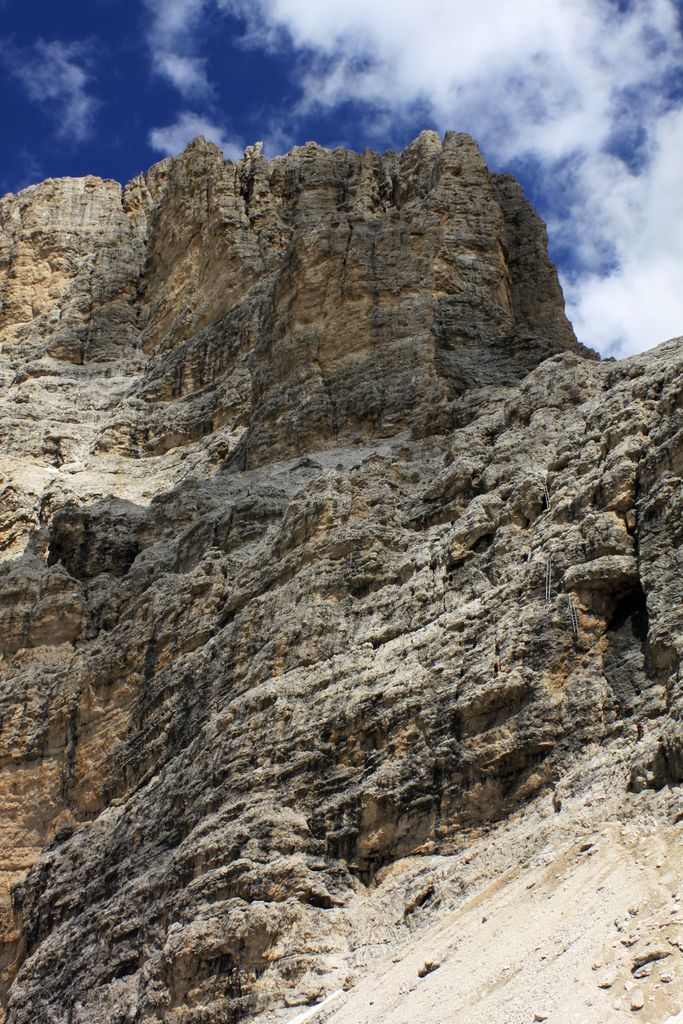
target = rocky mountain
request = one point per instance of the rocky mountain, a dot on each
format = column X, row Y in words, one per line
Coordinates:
column 340, row 607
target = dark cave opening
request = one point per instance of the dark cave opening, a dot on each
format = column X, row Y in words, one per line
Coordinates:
column 631, row 605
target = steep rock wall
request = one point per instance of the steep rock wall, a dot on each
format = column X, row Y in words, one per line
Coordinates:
column 325, row 546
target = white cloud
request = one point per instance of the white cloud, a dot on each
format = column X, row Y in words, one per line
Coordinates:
column 557, row 65
column 172, row 138
column 187, row 74
column 563, row 84
column 640, row 301
column 55, row 75
column 172, row 38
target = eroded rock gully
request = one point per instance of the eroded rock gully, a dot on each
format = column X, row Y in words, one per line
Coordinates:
column 292, row 452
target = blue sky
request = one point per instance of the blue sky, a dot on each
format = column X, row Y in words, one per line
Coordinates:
column 582, row 99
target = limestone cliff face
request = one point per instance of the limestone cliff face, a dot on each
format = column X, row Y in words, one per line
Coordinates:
column 325, row 547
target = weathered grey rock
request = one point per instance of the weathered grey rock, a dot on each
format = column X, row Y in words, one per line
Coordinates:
column 326, row 546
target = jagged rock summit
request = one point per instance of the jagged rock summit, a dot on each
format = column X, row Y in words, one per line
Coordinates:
column 340, row 618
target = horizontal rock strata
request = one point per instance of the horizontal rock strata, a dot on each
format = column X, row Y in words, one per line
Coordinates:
column 326, row 547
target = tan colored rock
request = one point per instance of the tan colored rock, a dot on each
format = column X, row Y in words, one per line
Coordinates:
column 637, row 999
column 607, row 978
column 650, row 955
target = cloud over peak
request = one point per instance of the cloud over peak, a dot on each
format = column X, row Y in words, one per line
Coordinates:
column 580, row 93
column 173, row 138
